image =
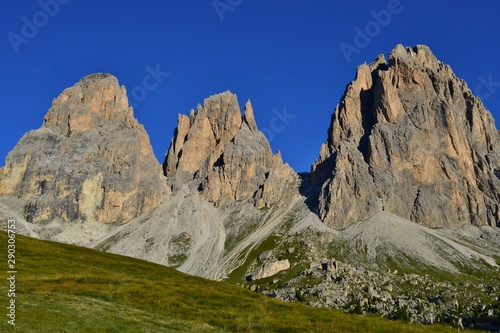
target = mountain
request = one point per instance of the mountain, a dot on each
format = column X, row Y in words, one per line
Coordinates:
column 223, row 155
column 409, row 137
column 227, row 192
column 398, row 216
column 90, row 160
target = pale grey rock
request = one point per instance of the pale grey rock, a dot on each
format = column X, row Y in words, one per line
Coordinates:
column 270, row 268
column 266, row 255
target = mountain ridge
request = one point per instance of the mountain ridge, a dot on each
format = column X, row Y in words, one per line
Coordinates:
column 409, row 150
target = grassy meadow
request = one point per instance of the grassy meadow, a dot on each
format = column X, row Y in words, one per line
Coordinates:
column 64, row 288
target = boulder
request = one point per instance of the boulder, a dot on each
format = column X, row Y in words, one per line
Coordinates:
column 270, row 268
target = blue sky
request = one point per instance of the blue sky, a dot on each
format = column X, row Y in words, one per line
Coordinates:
column 285, row 56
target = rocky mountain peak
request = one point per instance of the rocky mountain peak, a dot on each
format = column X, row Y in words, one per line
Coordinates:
column 90, row 160
column 419, row 56
column 223, row 155
column 90, row 103
column 410, row 138
column 213, row 124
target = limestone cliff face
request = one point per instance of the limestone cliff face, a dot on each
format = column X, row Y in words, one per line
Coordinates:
column 90, row 160
column 224, row 155
column 410, row 138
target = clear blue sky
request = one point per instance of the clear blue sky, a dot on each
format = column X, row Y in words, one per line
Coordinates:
column 283, row 55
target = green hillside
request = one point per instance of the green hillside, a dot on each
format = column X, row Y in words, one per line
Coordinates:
column 63, row 288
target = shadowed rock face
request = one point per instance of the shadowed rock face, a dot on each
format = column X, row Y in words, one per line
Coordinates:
column 223, row 155
column 409, row 137
column 90, row 160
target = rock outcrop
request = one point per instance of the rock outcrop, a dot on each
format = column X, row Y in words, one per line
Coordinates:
column 409, row 137
column 90, row 160
column 224, row 156
column 270, row 268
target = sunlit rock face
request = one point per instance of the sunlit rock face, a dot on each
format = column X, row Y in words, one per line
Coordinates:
column 409, row 137
column 223, row 155
column 90, row 160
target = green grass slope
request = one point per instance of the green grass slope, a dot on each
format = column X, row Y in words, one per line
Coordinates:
column 64, row 288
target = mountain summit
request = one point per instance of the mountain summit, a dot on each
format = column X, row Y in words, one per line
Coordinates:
column 408, row 137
